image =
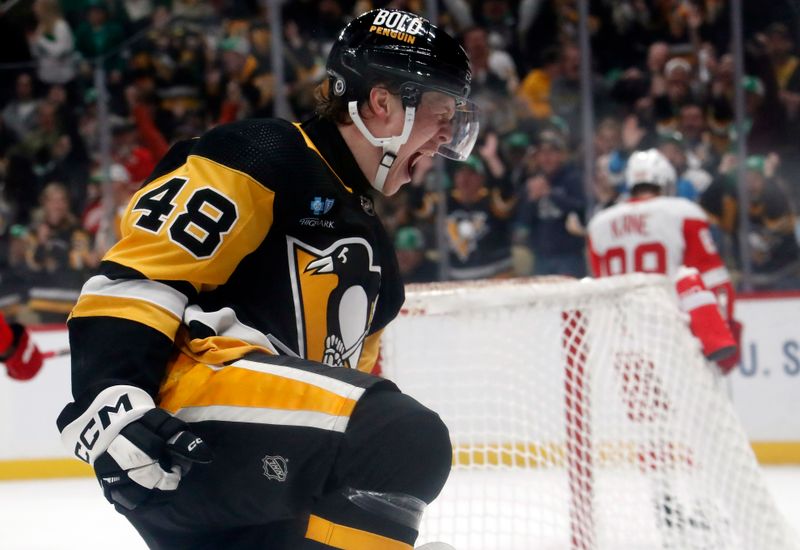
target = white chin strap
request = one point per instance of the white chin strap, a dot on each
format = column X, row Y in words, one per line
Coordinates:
column 390, row 145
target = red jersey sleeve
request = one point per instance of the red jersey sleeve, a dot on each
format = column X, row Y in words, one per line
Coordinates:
column 701, row 253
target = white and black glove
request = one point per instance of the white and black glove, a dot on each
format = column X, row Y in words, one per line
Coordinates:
column 139, row 452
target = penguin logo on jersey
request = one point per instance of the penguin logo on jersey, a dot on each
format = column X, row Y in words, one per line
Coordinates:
column 335, row 291
column 465, row 229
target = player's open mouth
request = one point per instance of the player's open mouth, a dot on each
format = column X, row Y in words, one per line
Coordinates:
column 415, row 157
column 413, row 160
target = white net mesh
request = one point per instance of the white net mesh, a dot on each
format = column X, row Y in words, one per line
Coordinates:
column 582, row 416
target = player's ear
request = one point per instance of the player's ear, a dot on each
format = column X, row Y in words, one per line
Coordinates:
column 380, row 102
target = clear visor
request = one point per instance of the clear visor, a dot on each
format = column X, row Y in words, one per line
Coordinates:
column 461, row 116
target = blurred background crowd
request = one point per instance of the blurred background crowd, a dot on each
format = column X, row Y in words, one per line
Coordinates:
column 93, row 92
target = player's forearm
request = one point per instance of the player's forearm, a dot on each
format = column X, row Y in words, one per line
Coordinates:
column 109, row 351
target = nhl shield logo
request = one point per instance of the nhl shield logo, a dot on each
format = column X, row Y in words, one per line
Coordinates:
column 367, row 206
column 275, row 467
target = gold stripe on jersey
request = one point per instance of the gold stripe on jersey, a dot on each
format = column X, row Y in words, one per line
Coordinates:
column 191, row 385
column 369, row 352
column 146, row 313
column 157, row 257
column 341, row 536
column 216, row 350
column 313, row 147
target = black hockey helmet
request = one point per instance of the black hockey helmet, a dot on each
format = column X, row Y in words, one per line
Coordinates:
column 400, row 47
column 413, row 59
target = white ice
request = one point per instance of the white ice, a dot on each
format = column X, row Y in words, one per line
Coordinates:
column 72, row 513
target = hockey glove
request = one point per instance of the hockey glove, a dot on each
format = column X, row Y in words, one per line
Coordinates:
column 145, row 462
column 705, row 319
column 139, row 452
column 21, row 356
column 729, row 363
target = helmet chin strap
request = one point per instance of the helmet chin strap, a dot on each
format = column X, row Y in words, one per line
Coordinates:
column 389, row 145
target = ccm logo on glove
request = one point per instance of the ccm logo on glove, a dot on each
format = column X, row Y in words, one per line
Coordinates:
column 90, row 434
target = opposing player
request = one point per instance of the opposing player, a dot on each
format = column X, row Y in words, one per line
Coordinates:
column 231, row 328
column 656, row 233
column 18, row 352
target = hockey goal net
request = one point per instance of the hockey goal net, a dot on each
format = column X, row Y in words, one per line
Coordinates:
column 582, row 416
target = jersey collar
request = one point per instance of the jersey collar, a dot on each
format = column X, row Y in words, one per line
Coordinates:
column 330, row 144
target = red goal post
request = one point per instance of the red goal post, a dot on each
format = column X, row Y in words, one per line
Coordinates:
column 582, row 414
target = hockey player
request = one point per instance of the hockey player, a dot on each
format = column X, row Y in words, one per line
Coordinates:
column 231, row 328
column 653, row 233
column 20, row 355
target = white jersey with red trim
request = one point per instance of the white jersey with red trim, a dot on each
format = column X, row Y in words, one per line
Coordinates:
column 658, row 235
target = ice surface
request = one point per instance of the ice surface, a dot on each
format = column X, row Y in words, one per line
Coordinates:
column 69, row 514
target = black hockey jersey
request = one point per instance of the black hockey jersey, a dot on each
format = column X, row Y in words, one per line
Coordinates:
column 258, row 236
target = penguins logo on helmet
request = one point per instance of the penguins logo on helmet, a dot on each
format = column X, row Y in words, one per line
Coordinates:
column 339, row 87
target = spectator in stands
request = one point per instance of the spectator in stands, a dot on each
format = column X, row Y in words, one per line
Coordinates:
column 57, row 253
column 551, row 195
column 500, row 21
column 138, row 13
column 657, row 57
column 775, row 251
column 611, row 157
column 565, row 89
column 308, row 65
column 493, row 84
column 98, row 35
column 19, row 114
column 52, row 44
column 479, row 211
column 607, row 137
column 693, row 128
column 128, row 151
column 8, row 138
column 785, row 64
column 780, row 49
column 326, row 19
column 37, row 144
column 535, row 88
column 143, row 111
column 415, row 266
column 518, row 158
column 692, row 180
column 671, row 92
column 720, row 201
column 606, row 186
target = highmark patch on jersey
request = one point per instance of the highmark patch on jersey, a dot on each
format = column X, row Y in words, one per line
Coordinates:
column 397, row 24
column 335, row 292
